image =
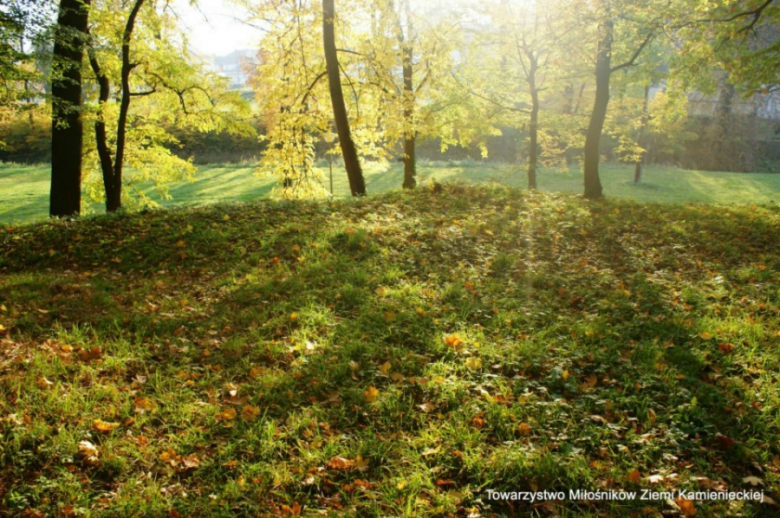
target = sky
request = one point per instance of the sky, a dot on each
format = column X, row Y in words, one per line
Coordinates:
column 215, row 28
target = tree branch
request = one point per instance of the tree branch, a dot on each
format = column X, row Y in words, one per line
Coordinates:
column 631, row 62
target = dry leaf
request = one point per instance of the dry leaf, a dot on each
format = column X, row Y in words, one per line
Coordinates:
column 453, row 341
column 190, row 461
column 426, row 407
column 371, row 394
column 723, row 441
column 726, row 348
column 754, row 481
column 102, row 426
column 591, row 381
column 524, row 429
column 249, row 413
column 87, row 449
column 340, row 463
column 474, row 363
column 228, row 414
column 686, row 506
column 635, row 476
column 385, row 367
column 142, row 405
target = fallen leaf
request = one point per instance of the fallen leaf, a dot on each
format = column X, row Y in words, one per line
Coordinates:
column 102, row 426
column 87, row 449
column 726, row 348
column 686, row 506
column 754, row 481
column 524, row 429
column 142, row 405
column 385, row 367
column 474, row 363
column 723, row 441
column 340, row 463
column 190, row 461
column 426, row 407
column 371, row 394
column 249, row 413
column 361, row 463
column 635, row 476
column 591, row 381
column 228, row 414
column 453, row 341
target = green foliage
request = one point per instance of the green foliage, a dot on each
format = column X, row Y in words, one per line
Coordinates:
column 169, row 91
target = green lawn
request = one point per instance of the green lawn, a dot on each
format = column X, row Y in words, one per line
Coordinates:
column 406, row 354
column 24, row 190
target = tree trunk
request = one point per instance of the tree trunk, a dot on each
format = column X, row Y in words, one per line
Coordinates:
column 101, row 140
column 357, row 184
column 642, row 129
column 593, row 188
column 66, row 138
column 114, row 198
column 410, row 134
column 533, row 153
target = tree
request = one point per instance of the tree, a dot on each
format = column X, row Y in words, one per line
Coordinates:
column 166, row 89
column 526, row 45
column 112, row 170
column 69, row 40
column 357, row 184
column 607, row 15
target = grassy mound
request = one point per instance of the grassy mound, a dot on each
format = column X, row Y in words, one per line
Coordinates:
column 402, row 355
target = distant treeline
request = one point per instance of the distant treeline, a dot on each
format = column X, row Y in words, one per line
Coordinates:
column 745, row 144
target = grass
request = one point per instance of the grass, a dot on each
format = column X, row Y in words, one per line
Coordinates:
column 401, row 355
column 24, row 190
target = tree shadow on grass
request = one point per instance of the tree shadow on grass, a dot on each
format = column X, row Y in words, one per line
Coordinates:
column 594, row 334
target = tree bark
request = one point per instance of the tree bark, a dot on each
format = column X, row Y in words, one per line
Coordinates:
column 357, row 183
column 67, row 138
column 642, row 129
column 533, row 126
column 101, row 139
column 593, row 188
column 114, row 199
column 410, row 134
column 112, row 171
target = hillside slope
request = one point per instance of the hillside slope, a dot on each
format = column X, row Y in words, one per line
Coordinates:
column 402, row 355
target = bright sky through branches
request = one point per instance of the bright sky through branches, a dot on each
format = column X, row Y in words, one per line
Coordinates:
column 216, row 27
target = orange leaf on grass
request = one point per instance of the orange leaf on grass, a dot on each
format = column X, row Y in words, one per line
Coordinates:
column 340, row 463
column 371, row 394
column 726, row 348
column 102, row 426
column 635, row 476
column 686, row 506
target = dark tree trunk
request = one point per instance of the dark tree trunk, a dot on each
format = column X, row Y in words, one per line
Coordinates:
column 114, row 198
column 357, row 184
column 593, row 188
column 66, row 138
column 642, row 129
column 101, row 140
column 533, row 153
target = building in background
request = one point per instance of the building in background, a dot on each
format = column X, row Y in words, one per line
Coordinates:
column 235, row 66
